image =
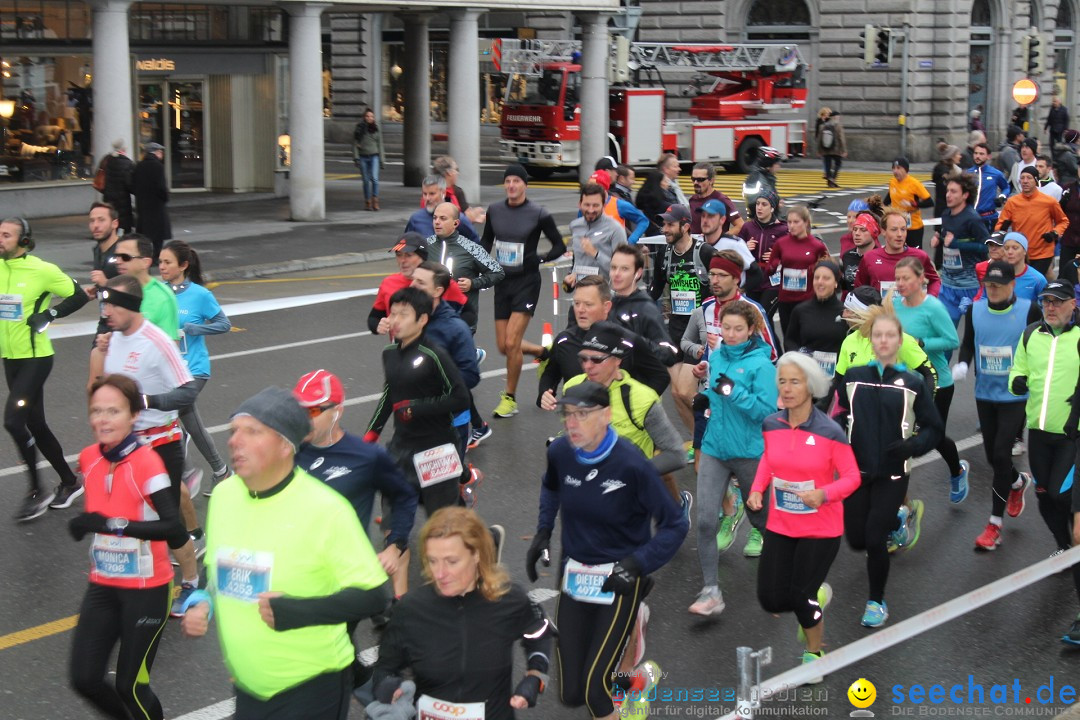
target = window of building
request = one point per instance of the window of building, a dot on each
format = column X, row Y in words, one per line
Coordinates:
column 980, row 14
column 778, row 20
column 979, row 61
column 1064, row 57
column 40, row 21
column 172, row 23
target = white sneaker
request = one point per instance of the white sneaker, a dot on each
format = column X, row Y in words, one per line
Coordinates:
column 710, row 601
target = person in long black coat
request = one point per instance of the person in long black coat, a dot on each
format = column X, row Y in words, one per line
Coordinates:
column 117, row 192
column 151, row 197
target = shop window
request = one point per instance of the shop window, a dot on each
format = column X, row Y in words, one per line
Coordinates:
column 158, row 22
column 45, row 132
column 31, row 21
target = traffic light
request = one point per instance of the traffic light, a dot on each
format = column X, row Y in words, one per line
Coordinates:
column 867, row 43
column 1034, row 53
column 883, row 46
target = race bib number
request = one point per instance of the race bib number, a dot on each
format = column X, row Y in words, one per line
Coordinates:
column 429, row 708
column 11, row 307
column 121, row 557
column 511, row 254
column 826, row 361
column 995, row 359
column 794, row 280
column 886, row 286
column 243, row 574
column 774, row 279
column 785, row 498
column 950, row 259
column 583, row 582
column 437, row 464
column 683, row 302
column 583, row 270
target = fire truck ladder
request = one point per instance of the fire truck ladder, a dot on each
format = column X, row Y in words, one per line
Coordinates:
column 526, row 57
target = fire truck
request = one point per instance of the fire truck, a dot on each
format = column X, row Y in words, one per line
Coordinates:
column 746, row 97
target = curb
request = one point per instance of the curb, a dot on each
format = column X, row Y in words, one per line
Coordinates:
column 250, row 272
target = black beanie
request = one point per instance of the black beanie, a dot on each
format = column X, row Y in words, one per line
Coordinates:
column 517, row 170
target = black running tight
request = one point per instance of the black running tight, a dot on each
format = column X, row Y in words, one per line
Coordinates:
column 135, row 618
column 947, row 448
column 869, row 517
column 790, row 572
column 24, row 417
column 999, row 423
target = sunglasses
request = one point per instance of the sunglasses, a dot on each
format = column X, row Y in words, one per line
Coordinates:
column 124, row 257
column 592, row 359
column 698, row 179
column 318, row 410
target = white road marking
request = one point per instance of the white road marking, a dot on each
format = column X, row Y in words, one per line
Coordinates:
column 217, row 711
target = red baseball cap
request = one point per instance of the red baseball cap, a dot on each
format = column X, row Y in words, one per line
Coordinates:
column 601, row 178
column 320, row 387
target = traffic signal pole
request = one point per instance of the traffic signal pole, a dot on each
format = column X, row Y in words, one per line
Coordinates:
column 904, row 90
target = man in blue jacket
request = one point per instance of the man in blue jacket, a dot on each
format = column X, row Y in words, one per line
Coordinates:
column 991, row 186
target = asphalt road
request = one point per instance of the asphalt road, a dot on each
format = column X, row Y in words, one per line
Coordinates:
column 43, row 571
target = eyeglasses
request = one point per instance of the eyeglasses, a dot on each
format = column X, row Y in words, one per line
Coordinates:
column 124, row 257
column 698, row 179
column 1046, row 300
column 317, row 410
column 592, row 359
column 578, row 415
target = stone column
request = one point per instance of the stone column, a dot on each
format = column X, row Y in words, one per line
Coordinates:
column 113, row 115
column 307, row 176
column 417, row 139
column 594, row 93
column 463, row 98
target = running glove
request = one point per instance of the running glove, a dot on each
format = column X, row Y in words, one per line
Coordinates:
column 700, row 403
column 530, row 688
column 87, row 522
column 40, row 320
column 401, row 709
column 723, row 385
column 898, row 450
column 960, row 371
column 1050, row 237
column 540, row 549
column 1072, row 423
column 623, row 577
column 1019, row 385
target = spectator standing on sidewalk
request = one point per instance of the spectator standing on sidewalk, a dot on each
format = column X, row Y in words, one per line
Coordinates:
column 368, row 155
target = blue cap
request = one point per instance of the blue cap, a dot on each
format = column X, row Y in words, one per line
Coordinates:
column 714, row 207
column 1018, row 237
column 858, row 206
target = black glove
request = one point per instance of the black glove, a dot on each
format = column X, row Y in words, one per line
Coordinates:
column 529, row 688
column 1050, row 237
column 540, row 549
column 998, row 202
column 623, row 576
column 40, row 320
column 898, row 451
column 86, row 522
column 384, row 691
column 700, row 403
column 1020, row 385
column 1072, row 423
column 724, row 385
column 1005, row 225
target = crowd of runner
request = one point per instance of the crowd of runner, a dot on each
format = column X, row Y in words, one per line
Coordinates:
column 806, row 427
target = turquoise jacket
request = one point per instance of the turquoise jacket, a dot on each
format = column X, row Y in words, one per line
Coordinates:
column 734, row 429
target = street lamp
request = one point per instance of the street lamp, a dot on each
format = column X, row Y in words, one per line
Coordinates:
column 7, row 109
column 284, row 150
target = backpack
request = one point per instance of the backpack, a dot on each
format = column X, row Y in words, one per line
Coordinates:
column 828, row 135
column 99, row 176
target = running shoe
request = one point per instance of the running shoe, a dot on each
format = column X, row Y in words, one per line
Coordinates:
column 754, row 541
column 640, row 626
column 478, row 436
column 498, row 534
column 481, row 356
column 989, row 538
column 1073, row 636
column 65, row 495
column 824, row 597
column 180, row 596
column 809, row 657
column 875, row 615
column 507, row 407
column 910, row 527
column 218, row 477
column 896, row 537
column 35, row 505
column 689, row 453
column 687, row 503
column 729, row 525
column 1015, row 504
column 1019, row 448
column 710, row 601
column 193, row 479
column 958, row 485
column 636, row 704
column 470, row 487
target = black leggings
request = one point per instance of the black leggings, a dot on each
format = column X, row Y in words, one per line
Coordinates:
column 786, row 308
column 1051, row 456
column 24, row 418
column 1042, row 264
column 591, row 641
column 323, row 697
column 790, row 572
column 999, row 423
column 869, row 517
column 947, row 448
column 136, row 618
column 172, row 456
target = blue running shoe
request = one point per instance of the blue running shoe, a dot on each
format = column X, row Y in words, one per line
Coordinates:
column 875, row 615
column 958, row 490
column 1073, row 636
column 687, row 503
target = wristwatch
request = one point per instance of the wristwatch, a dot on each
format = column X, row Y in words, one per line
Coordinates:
column 117, row 525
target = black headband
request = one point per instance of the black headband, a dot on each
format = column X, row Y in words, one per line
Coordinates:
column 121, row 299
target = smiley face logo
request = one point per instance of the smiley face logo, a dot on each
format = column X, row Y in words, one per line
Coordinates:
column 862, row 693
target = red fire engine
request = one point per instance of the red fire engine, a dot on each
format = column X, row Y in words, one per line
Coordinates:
column 748, row 96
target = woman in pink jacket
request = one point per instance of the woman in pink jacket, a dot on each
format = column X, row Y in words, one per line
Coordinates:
column 807, row 470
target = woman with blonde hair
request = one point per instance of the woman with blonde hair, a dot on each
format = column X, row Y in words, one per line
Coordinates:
column 456, row 632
